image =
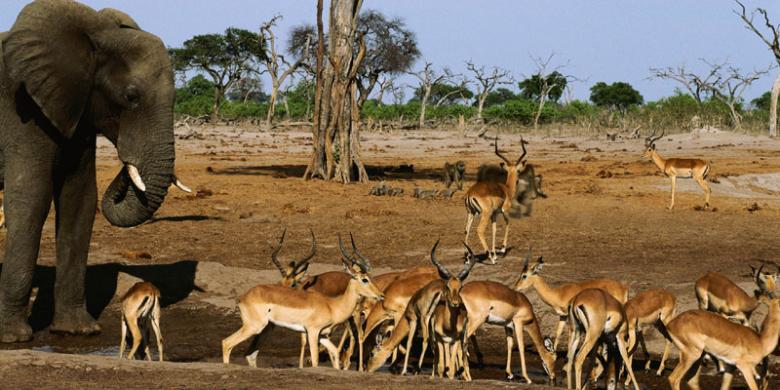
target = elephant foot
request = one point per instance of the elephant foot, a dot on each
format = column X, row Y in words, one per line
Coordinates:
column 75, row 322
column 15, row 329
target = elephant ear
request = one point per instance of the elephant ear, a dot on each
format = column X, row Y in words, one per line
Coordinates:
column 121, row 19
column 49, row 52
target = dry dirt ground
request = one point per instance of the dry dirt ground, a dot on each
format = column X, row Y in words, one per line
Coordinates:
column 605, row 217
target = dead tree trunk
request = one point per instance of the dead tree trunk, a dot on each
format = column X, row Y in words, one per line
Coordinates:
column 773, row 107
column 335, row 97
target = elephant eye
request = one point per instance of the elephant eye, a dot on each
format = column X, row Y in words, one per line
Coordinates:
column 132, row 95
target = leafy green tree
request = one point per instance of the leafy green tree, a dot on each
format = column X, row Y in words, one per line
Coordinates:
column 618, row 95
column 533, row 87
column 226, row 58
column 499, row 96
column 763, row 102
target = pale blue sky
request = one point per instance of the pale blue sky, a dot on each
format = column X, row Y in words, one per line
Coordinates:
column 604, row 40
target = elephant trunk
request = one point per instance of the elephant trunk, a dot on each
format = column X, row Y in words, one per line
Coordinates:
column 127, row 205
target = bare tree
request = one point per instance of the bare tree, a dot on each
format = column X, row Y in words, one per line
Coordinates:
column 729, row 84
column 692, row 82
column 461, row 88
column 335, row 100
column 274, row 63
column 386, row 83
column 487, row 81
column 427, row 77
column 548, row 83
column 773, row 43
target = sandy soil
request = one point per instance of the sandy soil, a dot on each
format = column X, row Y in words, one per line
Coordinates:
column 605, row 217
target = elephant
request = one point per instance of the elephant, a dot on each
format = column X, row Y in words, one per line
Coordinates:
column 67, row 74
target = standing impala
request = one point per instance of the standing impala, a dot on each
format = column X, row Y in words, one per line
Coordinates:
column 488, row 199
column 496, row 304
column 697, row 332
column 559, row 297
column 679, row 167
column 595, row 315
column 717, row 293
column 420, row 310
column 648, row 308
column 301, row 311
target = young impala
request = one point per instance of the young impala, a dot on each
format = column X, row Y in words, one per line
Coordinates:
column 489, row 199
column 140, row 311
column 679, row 167
column 559, row 297
column 594, row 316
column 697, row 332
column 301, row 311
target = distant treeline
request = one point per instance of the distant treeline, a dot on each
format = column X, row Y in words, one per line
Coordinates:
column 679, row 112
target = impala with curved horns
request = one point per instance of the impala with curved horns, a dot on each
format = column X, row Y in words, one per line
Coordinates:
column 679, row 167
column 488, row 199
column 302, row 311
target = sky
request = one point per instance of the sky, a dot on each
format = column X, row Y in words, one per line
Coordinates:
column 600, row 40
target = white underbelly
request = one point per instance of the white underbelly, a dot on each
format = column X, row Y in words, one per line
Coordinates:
column 295, row 327
column 496, row 320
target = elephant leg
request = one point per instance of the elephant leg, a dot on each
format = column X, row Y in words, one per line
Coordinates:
column 28, row 189
column 75, row 200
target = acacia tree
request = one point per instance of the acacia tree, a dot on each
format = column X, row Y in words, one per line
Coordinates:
column 390, row 49
column 386, row 83
column 335, row 100
column 226, row 58
column 427, row 77
column 773, row 43
column 274, row 62
column 548, row 83
column 487, row 81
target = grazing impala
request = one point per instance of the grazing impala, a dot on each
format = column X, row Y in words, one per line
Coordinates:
column 595, row 315
column 648, row 308
column 718, row 294
column 488, row 199
column 420, row 310
column 301, row 311
column 559, row 297
column 697, row 332
column 496, row 304
column 140, row 310
column 679, row 167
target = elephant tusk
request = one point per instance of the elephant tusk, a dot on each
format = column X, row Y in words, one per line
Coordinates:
column 136, row 177
column 181, row 185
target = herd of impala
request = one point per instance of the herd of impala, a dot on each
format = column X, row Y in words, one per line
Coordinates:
column 389, row 310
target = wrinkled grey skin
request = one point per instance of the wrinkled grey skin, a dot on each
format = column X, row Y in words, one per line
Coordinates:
column 67, row 73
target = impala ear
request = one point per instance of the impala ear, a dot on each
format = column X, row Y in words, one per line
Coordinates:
column 48, row 52
column 538, row 266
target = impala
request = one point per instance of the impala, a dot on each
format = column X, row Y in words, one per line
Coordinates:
column 301, row 311
column 559, row 297
column 420, row 309
column 679, row 167
column 697, row 332
column 595, row 315
column 488, row 199
column 448, row 326
column 496, row 304
column 648, row 308
column 140, row 310
column 718, row 294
